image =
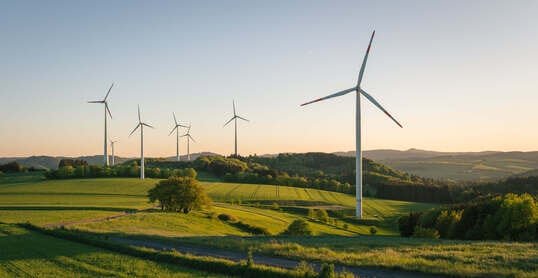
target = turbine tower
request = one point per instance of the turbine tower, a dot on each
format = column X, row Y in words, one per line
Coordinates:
column 176, row 128
column 358, row 151
column 141, row 125
column 112, row 147
column 234, row 118
column 189, row 137
column 105, row 102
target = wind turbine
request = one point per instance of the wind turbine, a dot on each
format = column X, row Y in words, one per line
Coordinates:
column 234, row 118
column 189, row 137
column 176, row 128
column 105, row 102
column 112, row 147
column 141, row 125
column 358, row 155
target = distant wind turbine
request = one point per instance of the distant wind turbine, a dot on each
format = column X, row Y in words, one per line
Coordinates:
column 358, row 150
column 105, row 102
column 112, row 147
column 234, row 118
column 189, row 137
column 141, row 125
column 176, row 128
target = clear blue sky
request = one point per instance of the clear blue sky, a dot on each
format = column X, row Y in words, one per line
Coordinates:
column 460, row 75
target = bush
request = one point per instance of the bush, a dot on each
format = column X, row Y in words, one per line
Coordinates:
column 227, row 217
column 327, row 271
column 373, row 230
column 255, row 230
column 421, row 232
column 305, row 270
column 298, row 227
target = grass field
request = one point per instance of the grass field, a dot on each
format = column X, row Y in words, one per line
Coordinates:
column 453, row 258
column 23, row 199
column 28, row 254
column 32, row 199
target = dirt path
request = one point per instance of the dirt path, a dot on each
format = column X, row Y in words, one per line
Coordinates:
column 267, row 260
column 94, row 220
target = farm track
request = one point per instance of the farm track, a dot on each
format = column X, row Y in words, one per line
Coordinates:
column 95, row 220
column 266, row 260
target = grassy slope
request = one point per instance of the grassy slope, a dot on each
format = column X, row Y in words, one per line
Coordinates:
column 462, row 168
column 31, row 199
column 40, row 201
column 28, row 254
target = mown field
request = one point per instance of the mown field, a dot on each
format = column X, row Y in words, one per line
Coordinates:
column 29, row 254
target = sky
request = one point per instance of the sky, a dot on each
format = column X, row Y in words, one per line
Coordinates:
column 459, row 75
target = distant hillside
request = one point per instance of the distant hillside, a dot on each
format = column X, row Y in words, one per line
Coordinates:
column 51, row 162
column 457, row 166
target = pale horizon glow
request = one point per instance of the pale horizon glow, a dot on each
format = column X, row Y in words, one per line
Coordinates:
column 459, row 75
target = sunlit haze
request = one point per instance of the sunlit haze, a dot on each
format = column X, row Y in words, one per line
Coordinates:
column 459, row 75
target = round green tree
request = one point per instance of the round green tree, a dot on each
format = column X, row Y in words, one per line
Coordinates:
column 179, row 194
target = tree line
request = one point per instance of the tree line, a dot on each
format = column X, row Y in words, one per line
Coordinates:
column 504, row 217
column 70, row 169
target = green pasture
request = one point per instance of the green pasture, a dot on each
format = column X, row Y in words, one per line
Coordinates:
column 29, row 254
column 441, row 257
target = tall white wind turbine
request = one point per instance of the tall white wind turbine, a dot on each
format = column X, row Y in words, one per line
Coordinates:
column 112, row 142
column 358, row 155
column 234, row 118
column 141, row 125
column 105, row 102
column 176, row 128
column 189, row 137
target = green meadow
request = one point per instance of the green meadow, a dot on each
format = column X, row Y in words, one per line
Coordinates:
column 344, row 240
column 29, row 254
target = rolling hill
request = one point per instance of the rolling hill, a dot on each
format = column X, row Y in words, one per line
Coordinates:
column 457, row 166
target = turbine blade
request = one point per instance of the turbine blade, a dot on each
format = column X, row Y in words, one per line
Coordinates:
column 228, row 121
column 139, row 119
column 341, row 93
column 233, row 102
column 108, row 110
column 96, row 101
column 364, row 60
column 108, row 92
column 175, row 120
column 243, row 118
column 180, row 125
column 172, row 130
column 134, row 130
column 191, row 137
column 148, row 125
column 372, row 100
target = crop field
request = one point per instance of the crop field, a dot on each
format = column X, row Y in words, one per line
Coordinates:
column 28, row 254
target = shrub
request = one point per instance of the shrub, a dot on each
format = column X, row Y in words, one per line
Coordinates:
column 373, row 230
column 327, row 271
column 305, row 270
column 321, row 215
column 255, row 230
column 227, row 217
column 421, row 232
column 298, row 227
